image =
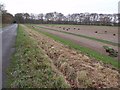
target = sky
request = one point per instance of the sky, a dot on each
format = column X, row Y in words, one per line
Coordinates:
column 63, row 6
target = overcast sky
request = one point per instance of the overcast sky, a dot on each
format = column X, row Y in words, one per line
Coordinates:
column 63, row 6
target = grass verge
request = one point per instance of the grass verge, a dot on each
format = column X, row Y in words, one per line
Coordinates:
column 30, row 67
column 92, row 38
column 85, row 50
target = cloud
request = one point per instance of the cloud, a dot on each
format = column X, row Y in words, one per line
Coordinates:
column 63, row 6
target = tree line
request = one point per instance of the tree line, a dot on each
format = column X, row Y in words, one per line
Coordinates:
column 77, row 18
column 7, row 18
column 59, row 18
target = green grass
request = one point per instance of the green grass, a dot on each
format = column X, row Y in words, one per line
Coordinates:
column 30, row 67
column 91, row 38
column 85, row 50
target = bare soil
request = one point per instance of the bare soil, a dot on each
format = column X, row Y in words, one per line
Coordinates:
column 78, row 69
column 103, row 32
column 95, row 45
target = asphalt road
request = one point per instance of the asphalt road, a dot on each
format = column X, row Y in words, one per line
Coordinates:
column 8, row 34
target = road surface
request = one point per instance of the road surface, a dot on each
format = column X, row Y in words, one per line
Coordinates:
column 9, row 34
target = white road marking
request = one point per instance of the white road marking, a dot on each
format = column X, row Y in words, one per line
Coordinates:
column 1, row 59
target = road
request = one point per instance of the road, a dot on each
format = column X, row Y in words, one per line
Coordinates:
column 8, row 34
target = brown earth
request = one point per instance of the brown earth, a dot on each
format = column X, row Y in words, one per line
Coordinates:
column 94, row 45
column 79, row 70
column 90, row 31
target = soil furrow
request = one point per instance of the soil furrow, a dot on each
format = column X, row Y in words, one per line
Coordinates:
column 80, row 70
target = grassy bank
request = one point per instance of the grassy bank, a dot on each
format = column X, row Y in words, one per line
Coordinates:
column 30, row 67
column 88, row 51
column 92, row 38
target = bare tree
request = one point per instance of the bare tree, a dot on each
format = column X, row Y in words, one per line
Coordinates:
column 49, row 16
column 2, row 7
column 26, row 15
column 40, row 16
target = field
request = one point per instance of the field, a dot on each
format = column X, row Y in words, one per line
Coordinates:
column 86, row 36
column 103, row 32
column 48, row 58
